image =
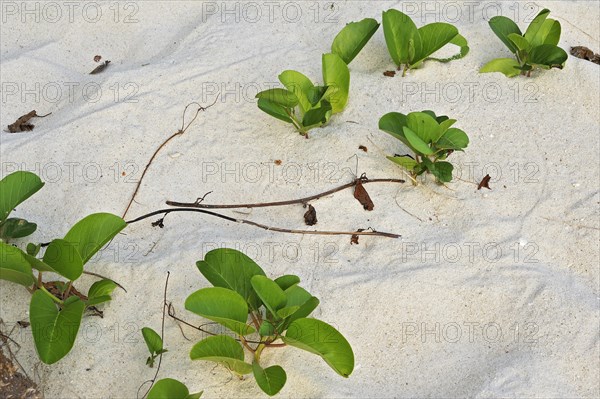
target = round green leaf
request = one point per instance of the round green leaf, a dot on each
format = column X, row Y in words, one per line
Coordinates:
column 14, row 266
column 416, row 143
column 401, row 36
column 317, row 116
column 222, row 305
column 275, row 110
column 224, row 350
column 16, row 188
column 168, row 388
column 322, row 339
column 153, row 341
column 441, row 170
column 453, row 139
column 16, row 228
column 271, row 379
column 424, row 125
column 394, row 123
column 231, row 269
column 298, row 84
column 507, row 66
column 352, row 38
column 54, row 331
column 503, row 27
column 434, row 36
column 548, row 55
column 286, row 281
column 283, row 97
column 269, row 292
column 101, row 288
column 406, row 162
column 91, row 233
column 62, row 256
column 337, row 77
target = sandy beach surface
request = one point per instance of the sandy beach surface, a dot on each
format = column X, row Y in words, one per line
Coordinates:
column 489, row 293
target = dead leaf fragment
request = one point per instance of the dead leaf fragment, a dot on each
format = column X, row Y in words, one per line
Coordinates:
column 310, row 216
column 485, row 182
column 362, row 196
column 354, row 239
column 97, row 58
column 278, row 162
column 100, row 68
column 389, row 74
column 585, row 53
column 362, row 147
column 22, row 125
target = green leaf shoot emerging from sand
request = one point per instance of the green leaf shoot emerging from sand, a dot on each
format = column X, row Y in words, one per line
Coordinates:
column 260, row 313
column 411, row 46
column 154, row 343
column 537, row 48
column 305, row 105
column 430, row 137
column 55, row 317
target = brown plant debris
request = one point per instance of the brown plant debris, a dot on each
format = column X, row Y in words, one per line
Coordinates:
column 310, row 217
column 22, row 124
column 485, row 182
column 585, row 53
column 363, row 196
column 389, row 74
column 100, row 68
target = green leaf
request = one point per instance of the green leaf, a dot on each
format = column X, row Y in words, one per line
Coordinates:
column 271, row 379
column 520, row 42
column 38, row 264
column 287, row 281
column 548, row 55
column 424, row 126
column 401, row 36
column 92, row 232
column 287, row 311
column 222, row 305
column 406, row 162
column 229, row 268
column 298, row 296
column 62, row 256
column 352, row 38
column 101, row 288
column 153, row 341
column 168, row 388
column 269, row 292
column 502, row 27
column 283, row 97
column 317, row 116
column 224, row 350
column 14, row 266
column 16, row 228
column 535, row 26
column 274, row 110
column 266, row 329
column 433, row 37
column 553, row 33
column 315, row 94
column 298, row 84
column 445, row 124
column 54, row 331
column 441, row 170
column 394, row 123
column 33, row 249
column 322, row 339
column 453, row 139
column 416, row 143
column 508, row 66
column 16, row 188
column 337, row 77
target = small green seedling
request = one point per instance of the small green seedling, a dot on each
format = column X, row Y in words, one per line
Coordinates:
column 154, row 343
column 305, row 105
column 54, row 319
column 411, row 46
column 537, row 48
column 278, row 311
column 430, row 137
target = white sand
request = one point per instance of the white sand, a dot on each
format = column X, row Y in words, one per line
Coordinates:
column 488, row 293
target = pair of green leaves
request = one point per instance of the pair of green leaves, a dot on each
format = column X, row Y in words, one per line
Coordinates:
column 536, row 48
column 302, row 103
column 14, row 189
column 240, row 288
column 411, row 46
column 432, row 138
